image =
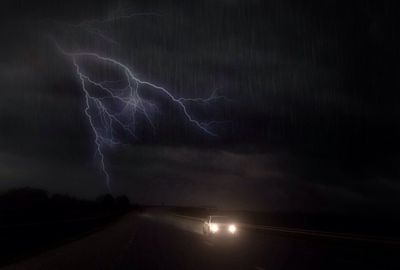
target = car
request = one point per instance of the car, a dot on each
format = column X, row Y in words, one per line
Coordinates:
column 219, row 226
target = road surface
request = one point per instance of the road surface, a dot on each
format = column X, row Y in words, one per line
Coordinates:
column 158, row 240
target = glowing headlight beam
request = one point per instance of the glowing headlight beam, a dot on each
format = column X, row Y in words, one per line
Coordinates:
column 214, row 228
column 232, row 228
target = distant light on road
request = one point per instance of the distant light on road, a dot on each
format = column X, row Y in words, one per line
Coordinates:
column 232, row 228
column 214, row 228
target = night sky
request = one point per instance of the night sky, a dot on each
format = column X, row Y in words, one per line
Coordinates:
column 310, row 122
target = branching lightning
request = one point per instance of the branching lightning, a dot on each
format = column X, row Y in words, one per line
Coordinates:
column 104, row 117
column 93, row 26
column 105, row 120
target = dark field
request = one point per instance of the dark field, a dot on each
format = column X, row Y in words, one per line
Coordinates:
column 32, row 221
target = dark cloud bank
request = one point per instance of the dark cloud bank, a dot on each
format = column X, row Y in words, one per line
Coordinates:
column 312, row 125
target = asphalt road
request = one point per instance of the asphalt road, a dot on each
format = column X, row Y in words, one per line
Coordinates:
column 158, row 240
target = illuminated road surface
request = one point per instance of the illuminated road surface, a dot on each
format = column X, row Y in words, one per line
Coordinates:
column 163, row 241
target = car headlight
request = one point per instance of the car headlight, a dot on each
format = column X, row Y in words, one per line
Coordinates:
column 214, row 228
column 232, row 228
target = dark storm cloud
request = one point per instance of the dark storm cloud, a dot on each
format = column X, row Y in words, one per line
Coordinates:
column 189, row 175
column 245, row 179
column 315, row 82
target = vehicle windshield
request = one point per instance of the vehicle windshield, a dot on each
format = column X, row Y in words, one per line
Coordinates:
column 220, row 219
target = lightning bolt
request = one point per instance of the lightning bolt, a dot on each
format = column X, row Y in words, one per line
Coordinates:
column 105, row 120
column 113, row 106
column 93, row 26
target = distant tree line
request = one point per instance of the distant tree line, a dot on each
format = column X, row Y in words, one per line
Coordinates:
column 29, row 205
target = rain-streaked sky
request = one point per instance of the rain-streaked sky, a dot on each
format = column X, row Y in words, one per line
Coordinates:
column 310, row 121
